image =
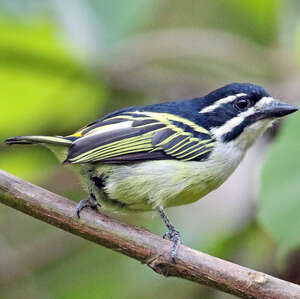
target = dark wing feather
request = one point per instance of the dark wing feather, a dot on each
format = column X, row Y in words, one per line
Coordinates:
column 140, row 136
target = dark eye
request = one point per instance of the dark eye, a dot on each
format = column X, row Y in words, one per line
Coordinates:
column 241, row 104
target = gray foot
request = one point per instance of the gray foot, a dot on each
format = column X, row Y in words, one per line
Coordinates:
column 91, row 202
column 173, row 234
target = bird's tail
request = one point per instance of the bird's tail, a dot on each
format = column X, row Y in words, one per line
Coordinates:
column 39, row 139
column 58, row 145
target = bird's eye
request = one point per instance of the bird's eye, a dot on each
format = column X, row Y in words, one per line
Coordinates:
column 241, row 104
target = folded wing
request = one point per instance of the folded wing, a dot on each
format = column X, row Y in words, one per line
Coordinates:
column 140, row 136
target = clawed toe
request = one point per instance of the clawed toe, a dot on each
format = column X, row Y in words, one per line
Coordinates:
column 91, row 202
column 166, row 235
column 174, row 236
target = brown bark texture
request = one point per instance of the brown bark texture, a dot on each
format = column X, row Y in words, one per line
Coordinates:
column 140, row 244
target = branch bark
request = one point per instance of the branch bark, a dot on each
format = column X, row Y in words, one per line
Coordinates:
column 141, row 244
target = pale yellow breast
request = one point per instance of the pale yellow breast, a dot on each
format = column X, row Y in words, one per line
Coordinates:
column 146, row 185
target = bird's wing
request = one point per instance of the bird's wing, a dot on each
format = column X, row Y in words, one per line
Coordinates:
column 140, row 136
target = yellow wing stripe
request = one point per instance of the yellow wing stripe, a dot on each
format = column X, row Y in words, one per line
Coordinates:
column 129, row 117
column 181, row 153
column 113, row 144
column 184, row 153
column 177, row 145
column 193, row 157
column 185, row 148
column 121, row 151
column 164, row 117
column 115, row 150
column 176, row 148
column 110, row 155
column 170, row 138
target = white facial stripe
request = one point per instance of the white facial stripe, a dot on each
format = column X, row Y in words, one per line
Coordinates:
column 221, row 102
column 232, row 123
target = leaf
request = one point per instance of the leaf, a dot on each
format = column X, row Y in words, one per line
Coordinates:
column 44, row 90
column 279, row 197
column 256, row 19
column 119, row 17
column 31, row 163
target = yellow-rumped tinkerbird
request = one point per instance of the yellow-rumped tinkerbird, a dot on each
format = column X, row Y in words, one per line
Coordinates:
column 167, row 154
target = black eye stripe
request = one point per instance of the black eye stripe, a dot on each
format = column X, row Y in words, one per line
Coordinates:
column 236, row 131
column 221, row 115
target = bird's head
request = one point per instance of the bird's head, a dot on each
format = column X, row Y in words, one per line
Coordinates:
column 240, row 112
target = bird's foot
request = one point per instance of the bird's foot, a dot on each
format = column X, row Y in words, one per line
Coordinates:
column 173, row 235
column 91, row 202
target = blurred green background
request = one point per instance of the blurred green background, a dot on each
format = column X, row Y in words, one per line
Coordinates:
column 64, row 63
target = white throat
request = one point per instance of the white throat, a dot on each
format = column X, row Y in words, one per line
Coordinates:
column 250, row 134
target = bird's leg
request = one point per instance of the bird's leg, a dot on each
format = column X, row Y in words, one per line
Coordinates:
column 173, row 234
column 90, row 202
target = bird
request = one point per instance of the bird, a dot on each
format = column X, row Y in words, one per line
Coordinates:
column 146, row 158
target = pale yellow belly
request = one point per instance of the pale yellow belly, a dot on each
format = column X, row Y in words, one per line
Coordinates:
column 146, row 185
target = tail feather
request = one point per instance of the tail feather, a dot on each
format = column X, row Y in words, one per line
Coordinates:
column 57, row 140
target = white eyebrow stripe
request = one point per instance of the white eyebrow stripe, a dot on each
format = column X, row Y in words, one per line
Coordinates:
column 232, row 123
column 222, row 101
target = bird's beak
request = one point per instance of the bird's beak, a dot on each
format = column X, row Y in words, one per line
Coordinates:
column 275, row 109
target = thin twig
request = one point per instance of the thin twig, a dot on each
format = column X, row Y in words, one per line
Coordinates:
column 141, row 244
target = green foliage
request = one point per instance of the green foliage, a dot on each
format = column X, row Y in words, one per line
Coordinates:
column 279, row 203
column 256, row 19
column 42, row 86
column 119, row 18
column 31, row 163
column 43, row 91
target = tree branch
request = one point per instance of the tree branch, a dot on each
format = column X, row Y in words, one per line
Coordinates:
column 141, row 244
